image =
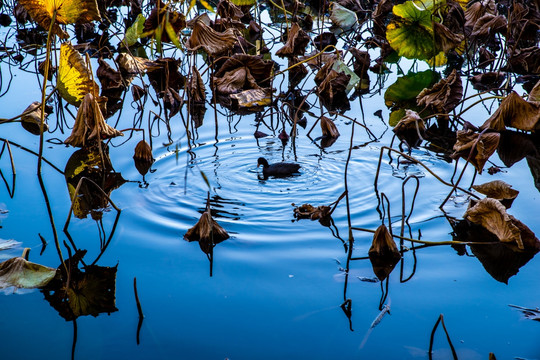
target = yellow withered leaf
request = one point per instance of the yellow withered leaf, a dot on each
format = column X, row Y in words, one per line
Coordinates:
column 67, row 12
column 74, row 78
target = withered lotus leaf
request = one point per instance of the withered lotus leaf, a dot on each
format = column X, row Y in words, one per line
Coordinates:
column 109, row 78
column 206, row 230
column 90, row 125
column 492, row 215
column 308, row 211
column 31, row 119
column 21, row 273
column 342, row 17
column 487, row 26
column 498, row 190
column 165, row 75
column 67, row 12
column 296, row 73
column 332, row 91
column 156, row 18
column 481, row 145
column 411, row 128
column 328, row 128
column 444, row 96
column 212, row 42
column 524, row 61
column 252, row 98
column 297, row 41
column 515, row 112
column 383, row 253
column 196, row 87
column 234, row 81
column 134, row 65
column 446, row 39
column 259, row 69
column 485, row 57
column 74, row 78
column 488, row 81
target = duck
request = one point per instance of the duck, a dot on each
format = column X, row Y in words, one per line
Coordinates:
column 281, row 169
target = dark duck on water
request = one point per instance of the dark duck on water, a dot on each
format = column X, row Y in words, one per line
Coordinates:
column 281, row 169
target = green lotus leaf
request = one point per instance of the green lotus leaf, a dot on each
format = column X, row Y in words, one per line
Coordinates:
column 415, row 12
column 134, row 32
column 343, row 17
column 411, row 40
column 407, row 87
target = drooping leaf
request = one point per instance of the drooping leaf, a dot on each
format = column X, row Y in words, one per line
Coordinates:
column 524, row 61
column 67, row 12
column 383, row 253
column 90, row 126
column 207, row 232
column 328, row 128
column 212, row 42
column 341, row 67
column 333, row 91
column 74, row 78
column 21, row 273
column 143, row 157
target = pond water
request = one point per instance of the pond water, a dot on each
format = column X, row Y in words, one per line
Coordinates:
column 278, row 287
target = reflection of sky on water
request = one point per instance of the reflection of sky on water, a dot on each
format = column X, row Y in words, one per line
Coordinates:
column 276, row 288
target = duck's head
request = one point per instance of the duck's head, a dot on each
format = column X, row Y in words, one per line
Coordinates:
column 262, row 161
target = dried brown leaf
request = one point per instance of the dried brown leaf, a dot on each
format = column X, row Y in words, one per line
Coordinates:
column 332, row 91
column 498, row 190
column 524, row 61
column 534, row 95
column 488, row 81
column 206, row 231
column 446, row 39
column 328, row 128
column 308, row 211
column 196, row 87
column 31, row 119
column 212, row 42
column 410, row 128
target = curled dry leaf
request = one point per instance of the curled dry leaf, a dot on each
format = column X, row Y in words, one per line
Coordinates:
column 308, row 211
column 444, row 96
column 296, row 72
column 134, row 65
column 31, row 119
column 485, row 57
column 227, row 10
column 22, row 273
column 243, row 72
column 212, row 42
column 74, row 78
column 234, row 81
column 534, row 95
column 143, row 157
column 328, row 128
column 165, row 75
column 410, row 129
column 475, row 147
column 515, row 112
column 383, row 253
column 498, row 190
column 492, row 215
column 296, row 43
column 67, row 12
column 174, row 19
column 514, row 146
column 90, row 126
column 475, row 11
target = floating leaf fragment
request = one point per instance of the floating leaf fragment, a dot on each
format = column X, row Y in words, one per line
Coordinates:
column 21, row 273
column 383, row 253
column 308, row 211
